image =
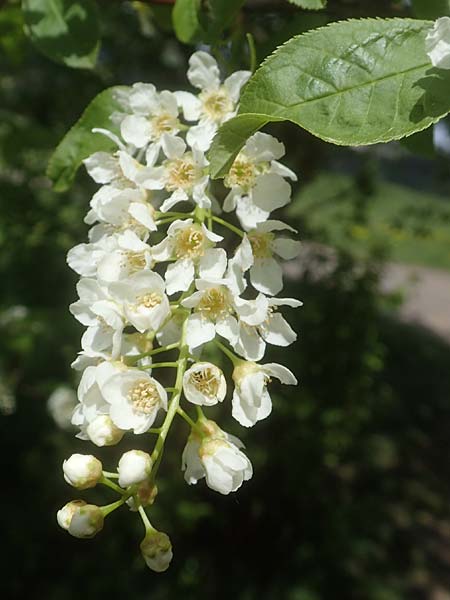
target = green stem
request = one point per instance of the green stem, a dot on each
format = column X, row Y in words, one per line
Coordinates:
column 110, row 475
column 234, row 359
column 186, row 417
column 163, row 349
column 175, row 401
column 231, row 227
column 251, row 51
column 111, row 485
column 159, row 365
column 109, row 508
column 148, row 526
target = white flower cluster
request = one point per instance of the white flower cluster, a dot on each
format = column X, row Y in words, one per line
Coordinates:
column 155, row 280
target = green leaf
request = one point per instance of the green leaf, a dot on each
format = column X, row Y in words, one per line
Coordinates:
column 232, row 136
column 79, row 142
column 430, row 9
column 351, row 83
column 310, row 4
column 186, row 21
column 66, row 31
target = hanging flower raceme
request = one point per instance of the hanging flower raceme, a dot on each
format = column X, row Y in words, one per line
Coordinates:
column 162, row 294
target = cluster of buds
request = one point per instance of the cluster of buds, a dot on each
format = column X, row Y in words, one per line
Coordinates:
column 157, row 280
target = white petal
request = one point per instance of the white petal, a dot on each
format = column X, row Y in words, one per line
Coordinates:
column 250, row 345
column 282, row 170
column 274, row 225
column 143, row 214
column 263, row 147
column 143, row 98
column 203, row 72
column 249, row 214
column 136, row 130
column 173, row 146
column 278, row 331
column 228, row 328
column 271, row 192
column 266, row 276
column 199, row 331
column 200, row 136
column 280, row 372
column 286, row 248
column 189, row 104
column 179, row 276
column 102, row 167
column 235, row 82
column 213, row 263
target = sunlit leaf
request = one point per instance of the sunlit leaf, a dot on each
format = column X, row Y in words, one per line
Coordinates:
column 80, row 142
column 66, row 31
column 351, row 83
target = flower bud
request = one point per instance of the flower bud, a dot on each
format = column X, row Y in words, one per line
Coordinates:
column 134, row 467
column 65, row 514
column 204, row 384
column 86, row 522
column 157, row 551
column 82, row 471
column 103, row 432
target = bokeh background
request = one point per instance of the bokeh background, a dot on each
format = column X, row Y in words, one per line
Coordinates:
column 350, row 497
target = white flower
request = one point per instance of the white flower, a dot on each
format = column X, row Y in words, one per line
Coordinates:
column 86, row 522
column 154, row 114
column 263, row 325
column 257, row 181
column 118, row 210
column 217, row 457
column 143, row 300
column 216, row 102
column 82, row 471
column 191, row 245
column 157, row 551
column 437, row 43
column 204, row 384
column 135, row 399
column 92, row 402
column 183, row 175
column 102, row 316
column 102, row 431
column 65, row 514
column 61, row 404
column 134, row 467
column 266, row 274
column 112, row 257
column 251, row 400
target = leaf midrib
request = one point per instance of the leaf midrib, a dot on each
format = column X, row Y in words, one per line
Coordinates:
column 338, row 93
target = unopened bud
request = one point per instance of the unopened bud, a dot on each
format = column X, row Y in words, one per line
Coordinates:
column 86, row 522
column 157, row 551
column 82, row 471
column 103, row 432
column 134, row 467
column 146, row 494
column 65, row 514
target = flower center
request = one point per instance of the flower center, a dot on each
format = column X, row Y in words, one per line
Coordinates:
column 261, row 244
column 144, row 396
column 190, row 242
column 242, row 174
column 214, row 303
column 182, row 173
column 135, row 261
column 164, row 123
column 216, row 104
column 206, row 381
column 150, row 300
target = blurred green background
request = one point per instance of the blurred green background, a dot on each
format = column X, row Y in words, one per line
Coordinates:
column 350, row 497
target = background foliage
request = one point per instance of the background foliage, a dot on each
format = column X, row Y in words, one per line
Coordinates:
column 350, row 494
